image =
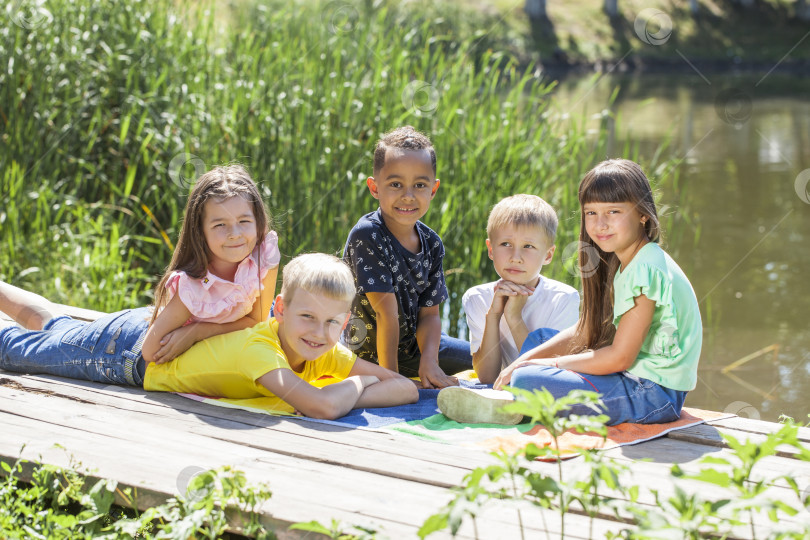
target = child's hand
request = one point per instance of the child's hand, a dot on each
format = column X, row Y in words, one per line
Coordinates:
column 506, row 375
column 175, row 343
column 505, row 292
column 432, row 376
column 514, row 307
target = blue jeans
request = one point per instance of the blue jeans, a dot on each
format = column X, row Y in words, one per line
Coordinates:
column 107, row 350
column 627, row 398
column 537, row 337
column 454, row 354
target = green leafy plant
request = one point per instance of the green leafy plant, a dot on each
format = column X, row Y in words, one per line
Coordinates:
column 57, row 503
column 336, row 531
column 680, row 516
column 751, row 494
column 746, row 495
column 597, row 486
column 552, row 413
column 511, row 480
column 214, row 499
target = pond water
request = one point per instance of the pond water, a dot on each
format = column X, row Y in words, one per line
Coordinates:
column 739, row 220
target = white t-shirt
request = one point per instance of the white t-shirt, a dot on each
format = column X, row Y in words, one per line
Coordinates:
column 553, row 305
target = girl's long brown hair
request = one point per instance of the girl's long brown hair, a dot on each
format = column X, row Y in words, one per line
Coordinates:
column 611, row 181
column 191, row 253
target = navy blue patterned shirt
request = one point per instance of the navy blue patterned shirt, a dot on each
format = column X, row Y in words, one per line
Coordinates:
column 381, row 264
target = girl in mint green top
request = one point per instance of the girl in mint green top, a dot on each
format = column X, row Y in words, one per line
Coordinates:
column 638, row 339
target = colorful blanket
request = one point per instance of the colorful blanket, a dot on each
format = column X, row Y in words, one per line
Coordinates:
column 423, row 420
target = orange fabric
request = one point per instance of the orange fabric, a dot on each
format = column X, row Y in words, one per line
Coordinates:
column 622, row 434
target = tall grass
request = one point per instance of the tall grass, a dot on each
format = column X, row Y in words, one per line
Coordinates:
column 102, row 105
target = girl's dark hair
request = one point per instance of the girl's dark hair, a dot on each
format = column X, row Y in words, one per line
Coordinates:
column 611, row 181
column 191, row 253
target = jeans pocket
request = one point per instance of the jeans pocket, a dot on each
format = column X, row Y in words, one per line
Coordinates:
column 663, row 414
column 89, row 336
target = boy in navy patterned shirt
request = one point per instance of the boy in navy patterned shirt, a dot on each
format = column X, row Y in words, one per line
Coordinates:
column 397, row 264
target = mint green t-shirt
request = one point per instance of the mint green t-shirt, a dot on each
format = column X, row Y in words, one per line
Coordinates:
column 670, row 352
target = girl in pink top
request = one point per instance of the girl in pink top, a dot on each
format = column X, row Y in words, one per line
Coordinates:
column 222, row 276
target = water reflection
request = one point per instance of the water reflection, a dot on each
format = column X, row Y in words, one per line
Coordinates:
column 740, row 225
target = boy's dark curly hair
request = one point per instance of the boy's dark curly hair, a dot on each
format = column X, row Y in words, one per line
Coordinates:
column 405, row 137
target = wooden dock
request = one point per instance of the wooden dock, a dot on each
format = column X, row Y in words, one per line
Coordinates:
column 153, row 442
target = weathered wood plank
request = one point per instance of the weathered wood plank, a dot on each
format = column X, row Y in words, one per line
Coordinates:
column 758, row 426
column 157, row 472
column 156, row 454
column 661, row 450
column 710, row 435
column 105, row 420
column 315, row 470
column 177, row 407
column 664, row 453
column 645, row 474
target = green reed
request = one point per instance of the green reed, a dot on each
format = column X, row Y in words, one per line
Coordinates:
column 101, row 105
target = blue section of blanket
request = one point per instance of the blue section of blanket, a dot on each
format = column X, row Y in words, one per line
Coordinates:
column 384, row 416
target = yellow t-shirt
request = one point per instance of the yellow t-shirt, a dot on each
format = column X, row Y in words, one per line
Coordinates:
column 229, row 365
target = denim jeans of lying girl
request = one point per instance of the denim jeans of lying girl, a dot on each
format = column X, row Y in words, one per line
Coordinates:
column 107, row 350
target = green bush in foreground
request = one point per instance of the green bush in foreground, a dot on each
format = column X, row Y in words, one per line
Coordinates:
column 58, row 504
column 603, row 487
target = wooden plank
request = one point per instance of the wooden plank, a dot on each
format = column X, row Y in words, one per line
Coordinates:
column 759, row 426
column 661, row 450
column 710, row 435
column 645, row 474
column 306, row 495
column 359, row 458
column 667, row 452
column 158, row 474
column 660, row 454
column 89, row 429
column 177, row 407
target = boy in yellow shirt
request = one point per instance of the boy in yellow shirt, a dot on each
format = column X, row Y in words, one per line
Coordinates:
column 277, row 359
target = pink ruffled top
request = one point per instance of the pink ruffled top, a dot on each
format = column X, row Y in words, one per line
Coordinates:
column 213, row 299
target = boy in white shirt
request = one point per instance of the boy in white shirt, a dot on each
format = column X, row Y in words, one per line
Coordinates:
column 523, row 307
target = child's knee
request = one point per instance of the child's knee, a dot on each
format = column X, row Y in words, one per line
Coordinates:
column 535, row 378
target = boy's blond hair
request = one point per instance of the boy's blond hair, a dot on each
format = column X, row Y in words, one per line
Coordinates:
column 318, row 273
column 524, row 211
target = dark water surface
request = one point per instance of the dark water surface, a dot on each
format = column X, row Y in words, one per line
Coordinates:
column 739, row 221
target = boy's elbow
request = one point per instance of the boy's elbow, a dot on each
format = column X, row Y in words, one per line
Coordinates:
column 322, row 411
column 622, row 361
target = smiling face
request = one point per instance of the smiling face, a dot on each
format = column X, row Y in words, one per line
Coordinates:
column 405, row 185
column 616, row 228
column 309, row 325
column 519, row 253
column 229, row 227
